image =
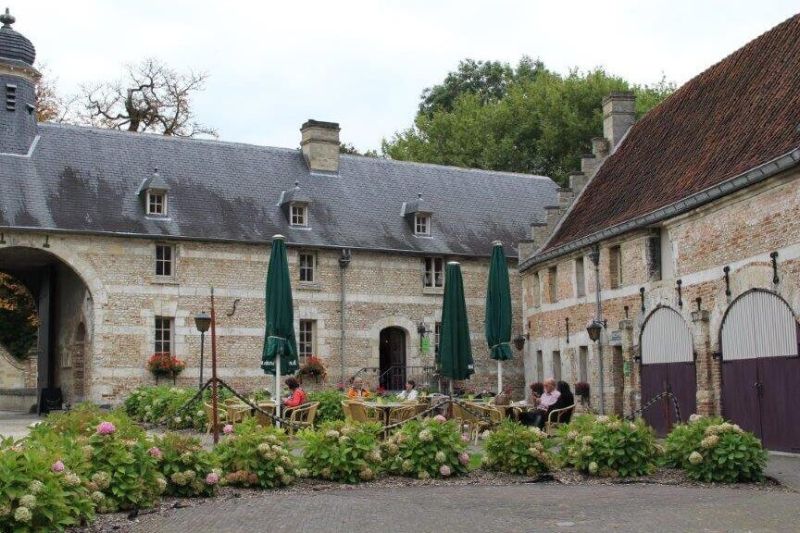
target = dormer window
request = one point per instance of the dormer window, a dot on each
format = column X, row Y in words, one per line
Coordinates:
column 154, row 191
column 422, row 224
column 299, row 215
column 157, row 203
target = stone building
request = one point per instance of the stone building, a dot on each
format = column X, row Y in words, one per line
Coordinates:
column 680, row 239
column 121, row 256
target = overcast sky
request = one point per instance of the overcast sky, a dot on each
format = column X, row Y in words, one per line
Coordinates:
column 363, row 64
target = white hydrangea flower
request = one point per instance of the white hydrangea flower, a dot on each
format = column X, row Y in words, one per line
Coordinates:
column 695, row 458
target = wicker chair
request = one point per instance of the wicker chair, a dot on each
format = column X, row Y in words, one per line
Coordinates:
column 302, row 416
column 348, row 415
column 209, row 410
column 236, row 411
column 401, row 414
column 557, row 417
column 358, row 412
column 262, row 419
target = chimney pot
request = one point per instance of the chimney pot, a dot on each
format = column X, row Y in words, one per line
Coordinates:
column 319, row 142
column 599, row 147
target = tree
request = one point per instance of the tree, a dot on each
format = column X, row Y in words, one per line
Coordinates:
column 529, row 119
column 349, row 148
column 151, row 97
column 50, row 106
column 19, row 322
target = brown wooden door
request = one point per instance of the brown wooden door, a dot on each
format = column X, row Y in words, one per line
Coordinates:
column 392, row 359
column 678, row 378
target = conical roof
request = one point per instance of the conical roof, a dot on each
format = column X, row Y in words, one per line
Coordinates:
column 14, row 45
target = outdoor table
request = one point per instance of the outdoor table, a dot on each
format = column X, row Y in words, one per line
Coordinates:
column 385, row 408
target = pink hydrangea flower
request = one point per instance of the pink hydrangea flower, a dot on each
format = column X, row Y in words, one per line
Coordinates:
column 465, row 437
column 463, row 458
column 57, row 467
column 440, row 419
column 444, row 470
column 212, row 479
column 228, row 429
column 155, row 452
column 105, row 428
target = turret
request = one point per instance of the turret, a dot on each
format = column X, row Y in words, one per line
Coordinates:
column 17, row 89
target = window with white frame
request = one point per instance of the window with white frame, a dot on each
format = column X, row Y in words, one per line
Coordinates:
column 299, row 215
column 308, row 263
column 433, row 272
column 165, row 260
column 306, row 339
column 422, row 224
column 163, row 335
column 157, row 203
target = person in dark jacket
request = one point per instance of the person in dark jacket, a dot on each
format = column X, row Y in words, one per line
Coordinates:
column 565, row 399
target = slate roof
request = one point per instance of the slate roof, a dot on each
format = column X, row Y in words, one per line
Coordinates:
column 14, row 45
column 739, row 114
column 82, row 179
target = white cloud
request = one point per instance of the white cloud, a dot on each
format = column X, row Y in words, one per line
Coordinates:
column 364, row 63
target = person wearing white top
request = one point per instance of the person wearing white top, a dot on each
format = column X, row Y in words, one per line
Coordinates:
column 410, row 392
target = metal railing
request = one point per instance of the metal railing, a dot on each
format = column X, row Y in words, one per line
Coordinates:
column 394, row 377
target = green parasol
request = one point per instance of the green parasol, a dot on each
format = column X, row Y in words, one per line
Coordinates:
column 454, row 359
column 498, row 311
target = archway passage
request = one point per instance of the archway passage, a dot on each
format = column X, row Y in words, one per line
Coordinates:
column 667, row 366
column 64, row 311
column 761, row 369
column 392, row 374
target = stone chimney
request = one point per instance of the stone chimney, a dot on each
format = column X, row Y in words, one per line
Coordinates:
column 619, row 114
column 320, row 144
column 578, row 180
column 599, row 147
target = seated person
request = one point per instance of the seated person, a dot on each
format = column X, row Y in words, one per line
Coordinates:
column 410, row 392
column 537, row 389
column 565, row 399
column 297, row 395
column 358, row 390
column 543, row 404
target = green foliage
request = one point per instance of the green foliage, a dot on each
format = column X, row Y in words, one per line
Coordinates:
column 611, row 447
column 529, row 119
column 19, row 321
column 426, row 449
column 256, row 457
column 517, row 449
column 724, row 452
column 160, row 405
column 685, row 438
column 340, row 452
column 330, row 405
column 35, row 497
column 188, row 468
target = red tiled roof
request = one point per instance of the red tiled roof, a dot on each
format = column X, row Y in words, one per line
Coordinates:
column 738, row 114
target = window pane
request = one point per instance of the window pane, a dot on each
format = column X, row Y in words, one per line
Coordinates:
column 163, row 335
column 580, row 277
column 307, row 267
column 163, row 260
column 437, row 329
column 305, row 341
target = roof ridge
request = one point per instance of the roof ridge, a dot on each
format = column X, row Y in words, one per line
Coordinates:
column 453, row 167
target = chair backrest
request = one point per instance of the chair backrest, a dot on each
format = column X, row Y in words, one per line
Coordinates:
column 401, row 414
column 348, row 415
column 358, row 412
column 462, row 413
column 311, row 414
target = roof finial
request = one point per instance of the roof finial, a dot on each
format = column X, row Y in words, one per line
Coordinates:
column 7, row 19
column 419, row 195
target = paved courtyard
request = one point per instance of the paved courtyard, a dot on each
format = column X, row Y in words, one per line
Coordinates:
column 512, row 508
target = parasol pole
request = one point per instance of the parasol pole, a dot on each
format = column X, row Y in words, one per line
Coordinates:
column 214, row 397
column 278, row 382
column 499, row 376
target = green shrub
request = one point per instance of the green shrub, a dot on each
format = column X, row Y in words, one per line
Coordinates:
column 517, row 449
column 253, row 456
column 429, row 448
column 160, row 405
column 83, row 420
column 330, row 405
column 339, row 452
column 38, row 493
column 187, row 467
column 726, row 454
column 612, row 448
column 685, row 438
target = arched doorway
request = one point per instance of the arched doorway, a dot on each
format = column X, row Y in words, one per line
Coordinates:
column 63, row 302
column 392, row 375
column 667, row 366
column 761, row 368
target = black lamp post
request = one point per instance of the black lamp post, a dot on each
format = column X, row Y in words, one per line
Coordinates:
column 593, row 329
column 202, row 321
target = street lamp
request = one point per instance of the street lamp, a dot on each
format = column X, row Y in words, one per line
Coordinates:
column 594, row 328
column 519, row 342
column 202, row 321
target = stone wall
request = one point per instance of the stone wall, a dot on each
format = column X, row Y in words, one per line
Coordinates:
column 124, row 296
column 739, row 231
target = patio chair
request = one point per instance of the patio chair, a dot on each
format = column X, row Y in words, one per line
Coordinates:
column 302, row 416
column 486, row 417
column 348, row 415
column 402, row 414
column 236, row 411
column 262, row 419
column 358, row 412
column 209, row 410
column 556, row 417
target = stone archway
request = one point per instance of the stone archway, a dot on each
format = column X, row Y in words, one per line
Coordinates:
column 66, row 307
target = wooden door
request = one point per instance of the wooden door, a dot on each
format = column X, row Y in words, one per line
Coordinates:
column 393, row 359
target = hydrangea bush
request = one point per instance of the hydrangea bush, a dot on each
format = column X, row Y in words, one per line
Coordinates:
column 330, row 405
column 427, row 448
column 38, row 493
column 710, row 449
column 189, row 469
column 252, row 456
column 160, row 405
column 340, row 452
column 517, row 449
column 611, row 447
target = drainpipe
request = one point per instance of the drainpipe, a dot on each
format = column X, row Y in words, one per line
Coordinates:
column 344, row 262
column 594, row 256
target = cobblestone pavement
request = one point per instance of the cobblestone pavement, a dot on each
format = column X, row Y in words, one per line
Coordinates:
column 507, row 509
column 16, row 424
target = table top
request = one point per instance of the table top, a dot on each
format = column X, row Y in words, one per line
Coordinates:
column 387, row 405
